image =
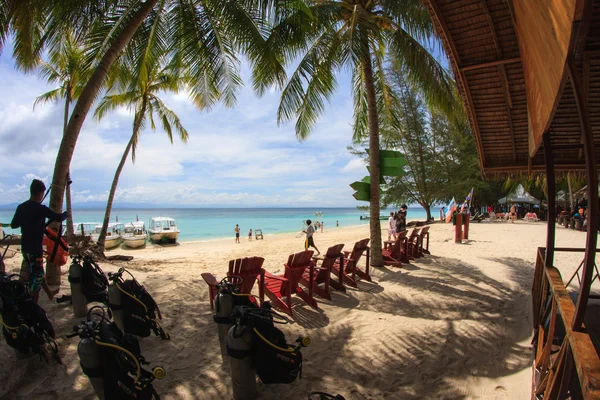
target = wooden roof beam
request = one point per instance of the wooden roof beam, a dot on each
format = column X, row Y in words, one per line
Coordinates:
column 491, row 63
column 503, row 78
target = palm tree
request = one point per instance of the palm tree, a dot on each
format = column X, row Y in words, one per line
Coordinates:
column 66, row 66
column 361, row 36
column 202, row 37
column 143, row 98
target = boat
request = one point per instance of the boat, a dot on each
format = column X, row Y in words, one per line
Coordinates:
column 113, row 234
column 163, row 228
column 381, row 217
column 135, row 235
column 84, row 228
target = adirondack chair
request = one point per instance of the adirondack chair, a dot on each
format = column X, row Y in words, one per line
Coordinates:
column 424, row 248
column 276, row 287
column 248, row 268
column 323, row 273
column 348, row 269
column 397, row 254
column 413, row 243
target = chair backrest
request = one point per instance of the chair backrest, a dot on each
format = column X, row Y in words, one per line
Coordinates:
column 413, row 234
column 296, row 265
column 332, row 255
column 247, row 268
column 424, row 231
column 359, row 248
column 401, row 235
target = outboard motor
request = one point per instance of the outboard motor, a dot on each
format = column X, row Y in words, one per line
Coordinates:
column 112, row 360
column 25, row 325
column 134, row 309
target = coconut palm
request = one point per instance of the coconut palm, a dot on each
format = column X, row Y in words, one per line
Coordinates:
column 361, row 36
column 201, row 36
column 147, row 106
column 65, row 66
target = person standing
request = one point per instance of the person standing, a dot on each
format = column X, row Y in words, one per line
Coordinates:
column 392, row 227
column 309, row 242
column 250, row 234
column 337, row 224
column 31, row 217
column 322, row 226
column 237, row 233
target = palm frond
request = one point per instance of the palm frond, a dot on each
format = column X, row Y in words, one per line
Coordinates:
column 52, row 96
column 111, row 102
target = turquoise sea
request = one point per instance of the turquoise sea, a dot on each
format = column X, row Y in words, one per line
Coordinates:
column 200, row 224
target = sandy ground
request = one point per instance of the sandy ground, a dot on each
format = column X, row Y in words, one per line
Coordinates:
column 453, row 325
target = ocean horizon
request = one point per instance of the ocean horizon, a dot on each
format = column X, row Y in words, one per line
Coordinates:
column 203, row 224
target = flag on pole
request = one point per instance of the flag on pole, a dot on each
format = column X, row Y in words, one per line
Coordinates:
column 450, row 210
column 467, row 201
column 136, row 217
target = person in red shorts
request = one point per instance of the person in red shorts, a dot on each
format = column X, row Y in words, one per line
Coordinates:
column 31, row 218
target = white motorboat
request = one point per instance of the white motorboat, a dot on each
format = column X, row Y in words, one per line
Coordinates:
column 84, row 228
column 113, row 234
column 135, row 235
column 163, row 228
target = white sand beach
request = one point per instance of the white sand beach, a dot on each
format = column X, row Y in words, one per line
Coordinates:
column 453, row 325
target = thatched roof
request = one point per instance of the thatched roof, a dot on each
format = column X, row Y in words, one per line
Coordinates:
column 484, row 40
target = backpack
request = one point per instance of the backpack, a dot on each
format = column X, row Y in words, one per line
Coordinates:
column 94, row 282
column 25, row 325
column 140, row 311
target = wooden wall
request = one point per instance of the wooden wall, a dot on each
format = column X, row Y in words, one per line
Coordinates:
column 544, row 29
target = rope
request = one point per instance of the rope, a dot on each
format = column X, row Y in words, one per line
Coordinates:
column 288, row 350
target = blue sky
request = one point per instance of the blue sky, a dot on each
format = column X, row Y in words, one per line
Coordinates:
column 235, row 157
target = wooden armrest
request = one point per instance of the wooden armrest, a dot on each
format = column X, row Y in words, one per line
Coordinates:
column 318, row 258
column 279, row 278
column 209, row 279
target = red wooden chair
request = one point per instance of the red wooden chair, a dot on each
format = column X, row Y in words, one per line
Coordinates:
column 397, row 254
column 276, row 287
column 248, row 268
column 413, row 243
column 323, row 273
column 424, row 249
column 348, row 270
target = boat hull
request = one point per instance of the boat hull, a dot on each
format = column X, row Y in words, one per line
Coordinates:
column 112, row 242
column 134, row 243
column 159, row 236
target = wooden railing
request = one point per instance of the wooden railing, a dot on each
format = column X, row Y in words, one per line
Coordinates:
column 566, row 364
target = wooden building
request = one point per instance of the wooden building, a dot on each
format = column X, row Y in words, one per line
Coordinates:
column 528, row 72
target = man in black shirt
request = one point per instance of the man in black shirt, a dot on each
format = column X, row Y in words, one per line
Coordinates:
column 31, row 218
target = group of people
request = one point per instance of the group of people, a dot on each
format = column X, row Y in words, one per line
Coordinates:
column 397, row 222
column 237, row 233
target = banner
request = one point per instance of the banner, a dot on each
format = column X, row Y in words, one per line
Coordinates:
column 451, row 208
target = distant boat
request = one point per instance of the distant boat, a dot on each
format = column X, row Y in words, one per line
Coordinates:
column 84, row 228
column 163, row 228
column 113, row 234
column 134, row 235
column 381, row 217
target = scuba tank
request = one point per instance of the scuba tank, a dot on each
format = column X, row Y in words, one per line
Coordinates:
column 113, row 361
column 92, row 364
column 239, row 349
column 78, row 300
column 139, row 312
column 115, row 303
column 222, row 308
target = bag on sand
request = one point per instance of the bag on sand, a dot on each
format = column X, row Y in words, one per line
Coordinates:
column 140, row 311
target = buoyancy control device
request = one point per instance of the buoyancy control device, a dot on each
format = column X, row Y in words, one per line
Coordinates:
column 112, row 360
column 25, row 325
column 88, row 284
column 274, row 360
column 134, row 309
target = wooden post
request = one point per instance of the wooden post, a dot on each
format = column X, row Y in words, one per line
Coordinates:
column 551, row 182
column 467, row 218
column 592, row 193
column 458, row 228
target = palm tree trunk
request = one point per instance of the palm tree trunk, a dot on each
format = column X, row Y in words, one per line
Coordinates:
column 570, row 191
column 373, row 120
column 85, row 101
column 137, row 122
column 68, row 189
